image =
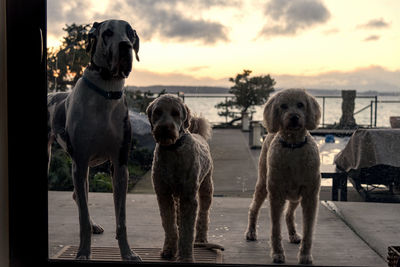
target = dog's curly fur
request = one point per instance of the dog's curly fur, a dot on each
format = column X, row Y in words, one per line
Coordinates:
column 289, row 169
column 182, row 175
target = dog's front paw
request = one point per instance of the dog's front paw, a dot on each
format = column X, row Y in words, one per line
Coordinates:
column 167, row 254
column 83, row 255
column 251, row 235
column 130, row 256
column 295, row 239
column 278, row 258
column 201, row 240
column 185, row 259
column 305, row 259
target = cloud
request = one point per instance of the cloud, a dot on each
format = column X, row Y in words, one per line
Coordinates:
column 176, row 20
column 197, row 68
column 140, row 77
column 375, row 24
column 286, row 17
column 174, row 26
column 167, row 20
column 60, row 13
column 372, row 37
column 372, row 78
column 331, row 31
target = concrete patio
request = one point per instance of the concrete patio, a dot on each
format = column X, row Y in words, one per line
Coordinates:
column 235, row 167
column 353, row 233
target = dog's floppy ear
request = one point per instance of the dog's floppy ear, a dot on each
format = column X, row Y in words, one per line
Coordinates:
column 313, row 113
column 271, row 116
column 149, row 111
column 136, row 46
column 92, row 38
column 134, row 38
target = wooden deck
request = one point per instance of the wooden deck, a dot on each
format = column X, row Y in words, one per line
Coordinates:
column 335, row 243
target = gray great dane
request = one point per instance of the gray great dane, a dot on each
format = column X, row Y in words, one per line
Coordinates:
column 92, row 124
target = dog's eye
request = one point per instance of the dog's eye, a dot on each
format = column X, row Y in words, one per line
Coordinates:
column 108, row 33
column 157, row 112
column 284, row 106
column 175, row 113
column 300, row 105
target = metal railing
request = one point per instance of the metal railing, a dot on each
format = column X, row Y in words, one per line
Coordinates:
column 372, row 106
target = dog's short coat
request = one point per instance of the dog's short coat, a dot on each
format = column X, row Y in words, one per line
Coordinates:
column 182, row 175
column 92, row 124
column 288, row 170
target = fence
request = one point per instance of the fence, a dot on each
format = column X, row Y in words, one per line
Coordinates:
column 368, row 111
column 372, row 108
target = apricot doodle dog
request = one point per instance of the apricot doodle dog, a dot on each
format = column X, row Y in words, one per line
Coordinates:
column 182, row 175
column 289, row 169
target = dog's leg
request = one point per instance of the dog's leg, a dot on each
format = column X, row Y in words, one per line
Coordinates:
column 309, row 205
column 259, row 197
column 79, row 177
column 260, row 194
column 120, row 187
column 49, row 143
column 188, row 208
column 205, row 199
column 276, row 206
column 168, row 220
column 96, row 228
column 291, row 226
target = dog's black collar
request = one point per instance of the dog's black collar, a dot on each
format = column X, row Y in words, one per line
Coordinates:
column 177, row 144
column 110, row 95
column 293, row 146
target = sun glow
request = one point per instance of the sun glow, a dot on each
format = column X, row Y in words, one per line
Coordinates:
column 343, row 42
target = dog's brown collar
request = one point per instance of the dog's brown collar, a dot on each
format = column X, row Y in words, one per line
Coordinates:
column 292, row 146
column 176, row 145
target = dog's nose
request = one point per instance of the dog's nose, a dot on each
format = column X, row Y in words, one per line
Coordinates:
column 125, row 46
column 167, row 127
column 294, row 118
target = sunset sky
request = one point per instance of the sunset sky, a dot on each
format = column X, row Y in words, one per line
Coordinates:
column 331, row 44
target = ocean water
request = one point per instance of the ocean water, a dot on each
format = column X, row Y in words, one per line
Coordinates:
column 205, row 106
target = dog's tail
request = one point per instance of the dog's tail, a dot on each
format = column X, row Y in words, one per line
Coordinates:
column 199, row 125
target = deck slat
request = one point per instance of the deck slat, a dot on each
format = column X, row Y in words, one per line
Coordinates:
column 201, row 255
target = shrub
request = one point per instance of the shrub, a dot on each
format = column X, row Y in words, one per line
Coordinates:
column 248, row 92
column 60, row 171
column 100, row 182
column 60, row 178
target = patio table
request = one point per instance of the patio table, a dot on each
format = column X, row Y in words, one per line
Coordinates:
column 372, row 156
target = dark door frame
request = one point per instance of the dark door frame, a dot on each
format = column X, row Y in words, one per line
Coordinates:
column 27, row 127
